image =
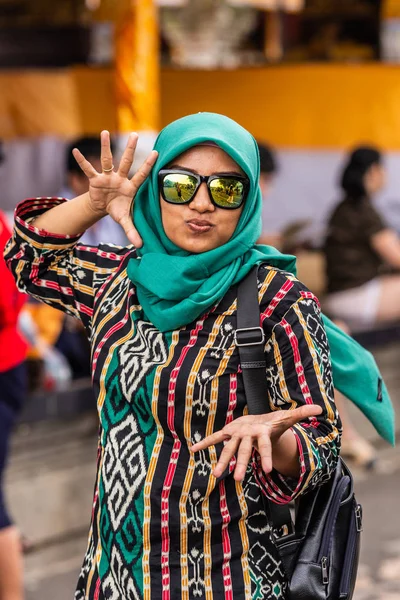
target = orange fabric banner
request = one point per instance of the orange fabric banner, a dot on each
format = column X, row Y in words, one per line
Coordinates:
column 36, row 102
column 297, row 106
column 137, row 67
column 391, row 9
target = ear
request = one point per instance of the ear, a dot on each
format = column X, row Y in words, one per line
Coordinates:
column 71, row 178
column 75, row 179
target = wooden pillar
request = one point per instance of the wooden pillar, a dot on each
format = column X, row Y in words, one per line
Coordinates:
column 137, row 67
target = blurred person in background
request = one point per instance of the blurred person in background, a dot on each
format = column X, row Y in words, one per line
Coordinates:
column 362, row 252
column 268, row 168
column 13, row 390
column 290, row 237
column 48, row 368
column 106, row 231
column 72, row 341
column 268, row 172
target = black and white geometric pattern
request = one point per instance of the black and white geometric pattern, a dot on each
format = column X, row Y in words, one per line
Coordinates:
column 123, row 468
column 139, row 355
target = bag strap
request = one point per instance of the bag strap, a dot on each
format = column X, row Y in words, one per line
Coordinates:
column 250, row 340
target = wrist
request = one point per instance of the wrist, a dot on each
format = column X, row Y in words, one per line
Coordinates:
column 285, row 455
column 93, row 212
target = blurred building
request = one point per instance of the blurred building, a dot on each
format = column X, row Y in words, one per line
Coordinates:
column 311, row 77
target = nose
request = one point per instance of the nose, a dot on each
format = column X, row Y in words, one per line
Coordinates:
column 201, row 202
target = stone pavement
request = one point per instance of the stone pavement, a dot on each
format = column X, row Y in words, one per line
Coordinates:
column 379, row 493
column 50, row 484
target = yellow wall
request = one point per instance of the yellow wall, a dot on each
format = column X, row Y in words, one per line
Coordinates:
column 315, row 106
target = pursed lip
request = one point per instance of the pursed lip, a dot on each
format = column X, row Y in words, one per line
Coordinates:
column 199, row 226
column 200, row 223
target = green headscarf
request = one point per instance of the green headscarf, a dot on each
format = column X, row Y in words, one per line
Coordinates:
column 175, row 287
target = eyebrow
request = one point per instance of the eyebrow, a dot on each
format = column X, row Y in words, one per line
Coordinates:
column 178, row 166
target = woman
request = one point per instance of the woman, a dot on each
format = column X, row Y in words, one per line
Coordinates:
column 361, row 249
column 178, row 509
column 13, row 387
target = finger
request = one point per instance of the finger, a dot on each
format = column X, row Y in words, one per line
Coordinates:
column 229, row 450
column 128, row 155
column 144, row 171
column 243, row 457
column 264, row 447
column 287, row 418
column 210, row 440
column 130, row 231
column 84, row 164
column 106, row 154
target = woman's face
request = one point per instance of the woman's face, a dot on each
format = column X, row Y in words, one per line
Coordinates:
column 375, row 179
column 200, row 225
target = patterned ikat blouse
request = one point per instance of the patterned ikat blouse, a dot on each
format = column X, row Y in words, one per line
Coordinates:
column 162, row 526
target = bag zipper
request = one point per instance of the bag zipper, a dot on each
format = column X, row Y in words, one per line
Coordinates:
column 325, row 571
column 332, row 516
column 333, row 513
column 348, row 565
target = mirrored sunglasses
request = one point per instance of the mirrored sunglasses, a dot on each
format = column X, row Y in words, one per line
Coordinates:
column 225, row 191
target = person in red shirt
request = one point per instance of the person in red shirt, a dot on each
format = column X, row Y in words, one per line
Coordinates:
column 13, row 388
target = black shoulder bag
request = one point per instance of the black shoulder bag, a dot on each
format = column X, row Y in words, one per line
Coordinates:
column 320, row 551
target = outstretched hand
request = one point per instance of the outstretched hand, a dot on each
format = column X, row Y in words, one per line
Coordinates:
column 111, row 191
column 262, row 432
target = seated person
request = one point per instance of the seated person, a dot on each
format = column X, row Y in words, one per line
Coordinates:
column 361, row 249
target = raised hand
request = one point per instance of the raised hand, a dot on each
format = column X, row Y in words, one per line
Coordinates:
column 263, row 432
column 111, row 191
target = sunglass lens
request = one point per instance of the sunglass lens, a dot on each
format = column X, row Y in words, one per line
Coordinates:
column 179, row 188
column 227, row 192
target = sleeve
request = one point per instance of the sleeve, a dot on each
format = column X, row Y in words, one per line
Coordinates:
column 55, row 268
column 371, row 221
column 11, row 301
column 299, row 372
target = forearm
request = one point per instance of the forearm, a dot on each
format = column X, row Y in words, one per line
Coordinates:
column 69, row 218
column 387, row 245
column 285, row 455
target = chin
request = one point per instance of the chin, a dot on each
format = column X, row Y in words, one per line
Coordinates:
column 197, row 246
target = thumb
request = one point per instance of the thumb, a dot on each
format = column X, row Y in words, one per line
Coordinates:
column 287, row 418
column 303, row 412
column 130, row 231
column 308, row 410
